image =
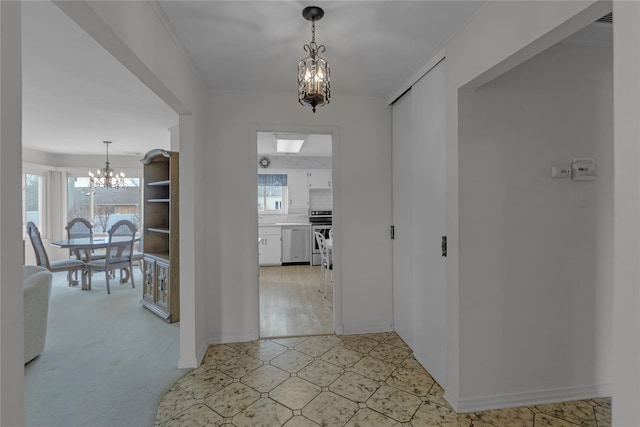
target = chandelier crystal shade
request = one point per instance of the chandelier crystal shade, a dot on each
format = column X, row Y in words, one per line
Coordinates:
column 314, row 82
column 106, row 177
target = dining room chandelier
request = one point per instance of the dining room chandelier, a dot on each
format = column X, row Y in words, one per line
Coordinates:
column 314, row 82
column 106, row 177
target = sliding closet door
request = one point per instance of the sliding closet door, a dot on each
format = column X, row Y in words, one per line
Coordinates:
column 419, row 207
column 429, row 223
column 402, row 212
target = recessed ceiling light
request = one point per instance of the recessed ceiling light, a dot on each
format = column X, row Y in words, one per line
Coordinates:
column 289, row 144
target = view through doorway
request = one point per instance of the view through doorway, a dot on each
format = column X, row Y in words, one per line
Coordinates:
column 294, row 213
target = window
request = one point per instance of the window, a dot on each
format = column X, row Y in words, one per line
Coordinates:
column 103, row 207
column 272, row 193
column 32, row 200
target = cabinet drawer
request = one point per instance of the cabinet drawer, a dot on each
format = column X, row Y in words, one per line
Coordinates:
column 269, row 230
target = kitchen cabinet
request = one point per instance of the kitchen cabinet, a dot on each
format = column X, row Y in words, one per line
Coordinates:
column 319, row 178
column 295, row 244
column 269, row 245
column 161, row 290
column 298, row 190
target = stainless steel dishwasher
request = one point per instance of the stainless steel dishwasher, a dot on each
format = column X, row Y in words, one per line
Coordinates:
column 295, row 244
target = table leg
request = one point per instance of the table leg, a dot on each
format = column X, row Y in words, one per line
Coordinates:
column 85, row 283
column 127, row 274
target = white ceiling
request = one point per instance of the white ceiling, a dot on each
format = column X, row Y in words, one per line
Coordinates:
column 76, row 95
column 372, row 47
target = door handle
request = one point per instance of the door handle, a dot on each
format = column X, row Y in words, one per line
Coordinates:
column 444, row 246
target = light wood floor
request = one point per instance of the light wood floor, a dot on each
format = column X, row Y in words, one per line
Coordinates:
column 290, row 303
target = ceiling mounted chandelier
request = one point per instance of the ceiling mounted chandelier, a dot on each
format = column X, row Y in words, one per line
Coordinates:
column 107, row 177
column 314, row 86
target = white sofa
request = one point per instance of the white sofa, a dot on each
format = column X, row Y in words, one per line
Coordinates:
column 37, row 291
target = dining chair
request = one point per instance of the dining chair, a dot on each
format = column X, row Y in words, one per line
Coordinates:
column 119, row 254
column 42, row 259
column 78, row 228
column 326, row 273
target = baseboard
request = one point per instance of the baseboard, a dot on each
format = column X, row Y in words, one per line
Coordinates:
column 223, row 339
column 369, row 329
column 529, row 398
column 204, row 346
column 194, row 363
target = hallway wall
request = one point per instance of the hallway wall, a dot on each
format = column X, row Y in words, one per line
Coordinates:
column 362, row 206
column 536, row 261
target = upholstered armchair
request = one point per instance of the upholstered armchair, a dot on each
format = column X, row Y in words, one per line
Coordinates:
column 37, row 291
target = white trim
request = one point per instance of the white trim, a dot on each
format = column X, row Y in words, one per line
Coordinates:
column 369, row 329
column 334, row 131
column 194, row 363
column 223, row 339
column 529, row 398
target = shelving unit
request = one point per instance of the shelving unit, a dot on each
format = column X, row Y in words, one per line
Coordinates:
column 161, row 291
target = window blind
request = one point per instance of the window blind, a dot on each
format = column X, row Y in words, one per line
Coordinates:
column 276, row 180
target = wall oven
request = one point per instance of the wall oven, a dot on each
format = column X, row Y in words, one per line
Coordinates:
column 321, row 221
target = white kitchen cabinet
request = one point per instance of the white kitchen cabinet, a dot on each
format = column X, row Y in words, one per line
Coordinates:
column 319, row 178
column 297, row 190
column 269, row 245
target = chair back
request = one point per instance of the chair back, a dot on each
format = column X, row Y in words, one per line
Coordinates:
column 122, row 250
column 36, row 241
column 320, row 240
column 78, row 228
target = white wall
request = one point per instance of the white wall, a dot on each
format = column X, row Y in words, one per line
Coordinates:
column 501, row 36
column 362, row 206
column 536, row 262
column 626, row 326
column 11, row 303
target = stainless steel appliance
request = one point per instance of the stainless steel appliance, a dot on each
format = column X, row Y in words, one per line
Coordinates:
column 321, row 221
column 295, row 244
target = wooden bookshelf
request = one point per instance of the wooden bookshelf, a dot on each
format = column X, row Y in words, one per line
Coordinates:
column 161, row 291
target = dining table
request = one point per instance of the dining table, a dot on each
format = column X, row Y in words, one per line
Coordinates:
column 88, row 245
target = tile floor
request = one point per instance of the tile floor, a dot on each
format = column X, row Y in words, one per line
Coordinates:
column 356, row 380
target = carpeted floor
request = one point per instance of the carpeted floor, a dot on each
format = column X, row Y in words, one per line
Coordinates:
column 107, row 360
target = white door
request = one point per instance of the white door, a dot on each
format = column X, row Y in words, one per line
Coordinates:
column 429, row 223
column 402, row 213
column 419, row 208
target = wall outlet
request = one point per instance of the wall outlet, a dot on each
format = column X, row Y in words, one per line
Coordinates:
column 560, row 171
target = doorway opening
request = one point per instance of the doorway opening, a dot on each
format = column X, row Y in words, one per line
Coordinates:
column 295, row 230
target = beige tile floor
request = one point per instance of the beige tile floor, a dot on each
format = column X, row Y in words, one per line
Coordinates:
column 356, row 380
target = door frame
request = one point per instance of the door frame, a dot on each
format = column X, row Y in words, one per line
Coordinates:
column 338, row 327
